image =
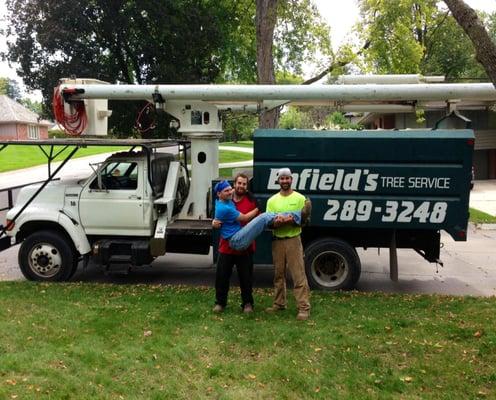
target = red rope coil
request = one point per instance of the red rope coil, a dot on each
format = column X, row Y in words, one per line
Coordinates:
column 73, row 123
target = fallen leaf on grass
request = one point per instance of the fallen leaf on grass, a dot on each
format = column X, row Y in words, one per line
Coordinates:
column 11, row 382
column 478, row 334
column 252, row 377
column 147, row 333
column 407, row 379
column 317, row 349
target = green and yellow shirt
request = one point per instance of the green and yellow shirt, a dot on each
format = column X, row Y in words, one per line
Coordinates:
column 280, row 204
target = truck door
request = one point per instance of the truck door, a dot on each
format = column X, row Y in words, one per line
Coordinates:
column 114, row 206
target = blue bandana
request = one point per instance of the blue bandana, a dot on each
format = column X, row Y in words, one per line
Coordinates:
column 221, row 186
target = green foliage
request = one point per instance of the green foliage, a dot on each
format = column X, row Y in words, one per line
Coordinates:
column 130, row 41
column 10, row 87
column 34, row 106
column 301, row 36
column 121, row 41
column 287, row 78
column 415, row 36
column 154, row 341
column 239, row 126
column 294, row 118
column 337, row 120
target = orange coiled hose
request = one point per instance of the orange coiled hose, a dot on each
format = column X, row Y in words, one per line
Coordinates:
column 73, row 123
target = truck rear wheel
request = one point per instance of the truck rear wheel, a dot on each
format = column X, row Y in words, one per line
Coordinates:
column 331, row 264
column 47, row 256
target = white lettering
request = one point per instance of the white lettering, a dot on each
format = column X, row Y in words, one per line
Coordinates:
column 351, row 181
column 305, row 174
column 315, row 179
column 419, row 182
column 273, row 185
column 371, row 184
column 326, row 181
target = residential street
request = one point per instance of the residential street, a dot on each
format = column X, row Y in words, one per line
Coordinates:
column 469, row 269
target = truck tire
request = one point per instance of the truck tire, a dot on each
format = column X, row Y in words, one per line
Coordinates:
column 47, row 256
column 331, row 264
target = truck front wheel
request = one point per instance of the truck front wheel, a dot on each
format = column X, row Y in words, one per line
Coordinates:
column 47, row 256
column 331, row 264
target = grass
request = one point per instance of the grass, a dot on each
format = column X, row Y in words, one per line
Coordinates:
column 242, row 143
column 154, row 342
column 480, row 217
column 226, row 156
column 226, row 172
column 17, row 157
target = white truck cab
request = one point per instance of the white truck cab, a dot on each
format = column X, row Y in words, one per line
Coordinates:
column 120, row 215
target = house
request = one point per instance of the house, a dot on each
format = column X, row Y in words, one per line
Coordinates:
column 17, row 122
column 482, row 121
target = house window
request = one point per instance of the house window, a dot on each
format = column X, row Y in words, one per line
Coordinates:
column 33, row 132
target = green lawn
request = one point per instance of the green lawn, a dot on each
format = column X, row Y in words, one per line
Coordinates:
column 226, row 172
column 242, row 143
column 480, row 217
column 154, row 342
column 226, row 156
column 16, row 157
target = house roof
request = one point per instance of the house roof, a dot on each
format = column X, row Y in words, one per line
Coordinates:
column 12, row 111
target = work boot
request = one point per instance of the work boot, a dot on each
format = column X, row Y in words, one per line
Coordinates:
column 274, row 309
column 248, row 308
column 218, row 309
column 302, row 315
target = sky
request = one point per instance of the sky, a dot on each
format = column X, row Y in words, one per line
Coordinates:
column 341, row 15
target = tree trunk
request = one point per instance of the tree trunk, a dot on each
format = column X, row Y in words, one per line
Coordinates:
column 485, row 48
column 266, row 18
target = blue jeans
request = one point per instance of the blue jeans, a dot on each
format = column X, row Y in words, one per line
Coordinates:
column 248, row 233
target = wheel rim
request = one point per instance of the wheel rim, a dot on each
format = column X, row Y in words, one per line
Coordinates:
column 329, row 269
column 45, row 260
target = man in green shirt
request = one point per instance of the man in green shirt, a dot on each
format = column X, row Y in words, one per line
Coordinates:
column 287, row 250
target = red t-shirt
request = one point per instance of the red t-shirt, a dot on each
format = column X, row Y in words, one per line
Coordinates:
column 245, row 205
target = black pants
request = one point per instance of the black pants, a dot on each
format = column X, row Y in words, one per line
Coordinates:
column 244, row 266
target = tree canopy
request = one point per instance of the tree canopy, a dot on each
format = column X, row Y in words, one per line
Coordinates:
column 154, row 41
column 10, row 88
column 415, row 36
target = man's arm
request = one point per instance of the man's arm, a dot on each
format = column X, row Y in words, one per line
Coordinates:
column 248, row 216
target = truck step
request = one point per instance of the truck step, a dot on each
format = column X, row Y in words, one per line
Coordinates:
column 120, row 259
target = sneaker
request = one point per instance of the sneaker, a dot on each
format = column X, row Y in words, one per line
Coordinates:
column 248, row 309
column 274, row 309
column 218, row 309
column 302, row 315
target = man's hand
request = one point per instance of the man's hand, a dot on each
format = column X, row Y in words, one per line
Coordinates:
column 216, row 224
column 280, row 220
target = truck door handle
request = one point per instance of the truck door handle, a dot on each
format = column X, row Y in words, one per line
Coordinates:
column 134, row 197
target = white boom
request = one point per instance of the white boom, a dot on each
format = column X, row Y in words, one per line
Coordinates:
column 196, row 107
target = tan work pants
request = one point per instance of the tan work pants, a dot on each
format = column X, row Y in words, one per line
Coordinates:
column 288, row 253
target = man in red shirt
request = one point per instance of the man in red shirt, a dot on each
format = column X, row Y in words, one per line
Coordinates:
column 228, row 257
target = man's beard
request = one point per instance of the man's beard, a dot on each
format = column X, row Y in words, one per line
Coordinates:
column 240, row 192
column 285, row 186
